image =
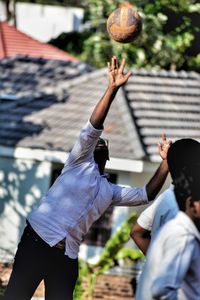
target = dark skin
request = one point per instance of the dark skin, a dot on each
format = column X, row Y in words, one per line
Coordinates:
column 116, row 79
column 141, row 237
column 101, row 164
column 193, row 211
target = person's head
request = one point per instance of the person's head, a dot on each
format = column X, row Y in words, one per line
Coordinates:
column 187, row 192
column 182, row 152
column 184, row 166
column 101, row 154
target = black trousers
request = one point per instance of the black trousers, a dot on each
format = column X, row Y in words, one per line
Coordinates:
column 35, row 261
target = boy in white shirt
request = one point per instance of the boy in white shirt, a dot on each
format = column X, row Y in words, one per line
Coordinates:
column 172, row 268
column 165, row 207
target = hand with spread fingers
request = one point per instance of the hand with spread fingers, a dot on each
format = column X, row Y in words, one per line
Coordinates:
column 164, row 146
column 116, row 74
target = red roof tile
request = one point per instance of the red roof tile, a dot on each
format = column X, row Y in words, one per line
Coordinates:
column 14, row 42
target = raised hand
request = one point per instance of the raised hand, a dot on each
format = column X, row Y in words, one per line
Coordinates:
column 164, row 146
column 116, row 74
column 116, row 78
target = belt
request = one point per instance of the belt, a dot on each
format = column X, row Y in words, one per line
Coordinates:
column 61, row 245
column 29, row 229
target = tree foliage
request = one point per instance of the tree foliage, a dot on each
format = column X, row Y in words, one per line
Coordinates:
column 170, row 29
column 114, row 250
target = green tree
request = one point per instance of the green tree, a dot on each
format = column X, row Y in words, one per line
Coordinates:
column 114, row 249
column 167, row 35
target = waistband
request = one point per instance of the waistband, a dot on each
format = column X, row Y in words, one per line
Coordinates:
column 29, row 229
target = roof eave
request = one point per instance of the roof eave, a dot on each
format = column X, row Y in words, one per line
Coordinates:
column 117, row 164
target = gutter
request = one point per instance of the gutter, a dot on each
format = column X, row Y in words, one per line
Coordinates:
column 118, row 164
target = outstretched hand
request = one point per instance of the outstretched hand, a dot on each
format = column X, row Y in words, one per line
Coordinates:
column 164, row 146
column 116, row 74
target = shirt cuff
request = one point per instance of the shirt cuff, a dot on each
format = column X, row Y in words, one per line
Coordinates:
column 92, row 130
column 144, row 224
column 145, row 194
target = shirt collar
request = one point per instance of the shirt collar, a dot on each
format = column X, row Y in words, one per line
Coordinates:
column 106, row 175
column 188, row 224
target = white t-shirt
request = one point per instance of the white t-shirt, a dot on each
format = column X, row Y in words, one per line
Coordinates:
column 163, row 209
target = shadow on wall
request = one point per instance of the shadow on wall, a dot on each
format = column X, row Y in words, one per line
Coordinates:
column 22, row 184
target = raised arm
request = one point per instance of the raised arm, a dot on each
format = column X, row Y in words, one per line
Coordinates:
column 116, row 78
column 156, row 182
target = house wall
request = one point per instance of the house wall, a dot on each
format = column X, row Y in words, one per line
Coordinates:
column 44, row 22
column 22, row 183
column 111, row 287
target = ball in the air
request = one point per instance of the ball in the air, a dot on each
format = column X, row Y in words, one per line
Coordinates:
column 124, row 24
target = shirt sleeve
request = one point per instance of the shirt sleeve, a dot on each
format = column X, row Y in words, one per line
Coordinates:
column 177, row 256
column 145, row 220
column 127, row 196
column 147, row 217
column 84, row 147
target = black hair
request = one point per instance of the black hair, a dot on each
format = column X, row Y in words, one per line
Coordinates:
column 182, row 153
column 101, row 150
column 187, row 185
column 183, row 156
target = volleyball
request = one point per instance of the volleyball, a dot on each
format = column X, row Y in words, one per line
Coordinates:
column 124, row 24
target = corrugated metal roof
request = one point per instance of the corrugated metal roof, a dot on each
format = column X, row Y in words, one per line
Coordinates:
column 164, row 101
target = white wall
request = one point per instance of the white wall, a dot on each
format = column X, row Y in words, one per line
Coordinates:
column 44, row 22
column 22, row 184
column 2, row 11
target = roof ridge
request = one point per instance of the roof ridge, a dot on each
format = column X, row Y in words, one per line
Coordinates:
column 142, row 72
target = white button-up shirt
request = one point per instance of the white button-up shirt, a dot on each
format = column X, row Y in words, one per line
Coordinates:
column 172, row 269
column 79, row 197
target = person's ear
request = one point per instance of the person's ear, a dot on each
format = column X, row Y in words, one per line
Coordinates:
column 193, row 207
column 189, row 206
column 196, row 209
column 188, row 202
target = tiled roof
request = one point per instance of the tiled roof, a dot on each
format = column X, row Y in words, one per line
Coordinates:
column 52, row 107
column 166, row 101
column 54, row 99
column 13, row 42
